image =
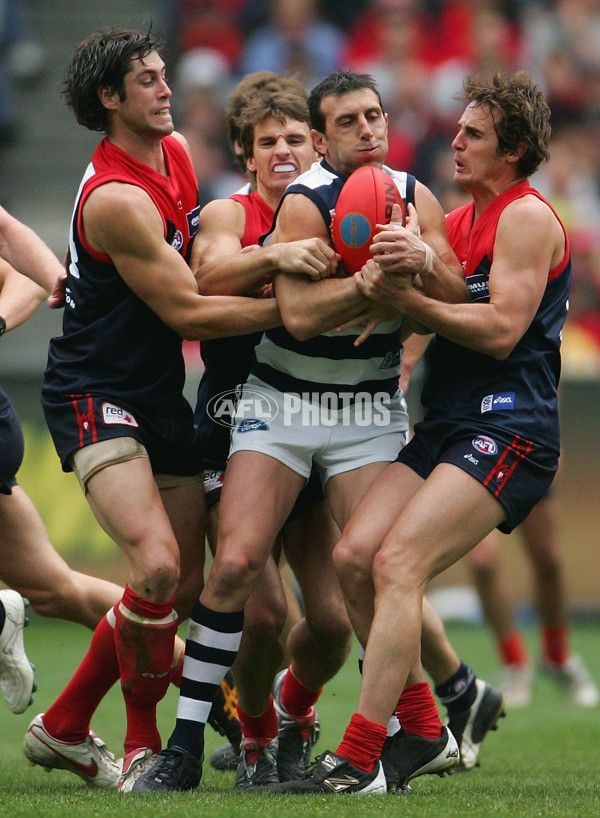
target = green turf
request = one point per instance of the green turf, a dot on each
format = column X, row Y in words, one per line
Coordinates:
column 543, row 761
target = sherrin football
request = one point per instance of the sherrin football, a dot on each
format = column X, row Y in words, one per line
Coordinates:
column 366, row 199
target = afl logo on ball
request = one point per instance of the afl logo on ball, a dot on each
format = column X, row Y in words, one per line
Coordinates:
column 485, row 445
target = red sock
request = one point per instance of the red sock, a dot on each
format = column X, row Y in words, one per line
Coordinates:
column 417, row 712
column 513, row 650
column 362, row 742
column 68, row 719
column 261, row 729
column 144, row 636
column 554, row 646
column 295, row 697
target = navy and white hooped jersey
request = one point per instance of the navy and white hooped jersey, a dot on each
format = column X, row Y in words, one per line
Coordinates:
column 518, row 394
column 330, row 363
column 113, row 344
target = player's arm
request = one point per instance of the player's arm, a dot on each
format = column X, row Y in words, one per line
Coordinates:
column 216, row 261
column 422, row 250
column 220, row 267
column 19, row 296
column 122, row 222
column 414, row 349
column 307, row 307
column 28, row 253
column 529, row 241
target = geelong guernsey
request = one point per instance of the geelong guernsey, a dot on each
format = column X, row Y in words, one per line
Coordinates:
column 518, row 394
column 329, row 363
column 113, row 344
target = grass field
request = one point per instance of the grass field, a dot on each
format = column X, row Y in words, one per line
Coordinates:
column 543, row 761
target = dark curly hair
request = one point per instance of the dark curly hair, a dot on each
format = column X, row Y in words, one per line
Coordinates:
column 525, row 115
column 103, row 59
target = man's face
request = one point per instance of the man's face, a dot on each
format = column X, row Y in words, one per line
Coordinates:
column 146, row 107
column 356, row 131
column 281, row 151
column 477, row 163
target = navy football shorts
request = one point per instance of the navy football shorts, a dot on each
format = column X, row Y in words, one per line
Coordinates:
column 167, row 434
column 12, row 446
column 515, row 470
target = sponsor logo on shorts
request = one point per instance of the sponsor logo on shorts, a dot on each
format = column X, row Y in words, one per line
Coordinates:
column 484, row 445
column 252, row 425
column 498, row 402
column 112, row 414
column 471, row 459
column 213, row 480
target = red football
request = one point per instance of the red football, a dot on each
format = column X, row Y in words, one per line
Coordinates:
column 365, row 200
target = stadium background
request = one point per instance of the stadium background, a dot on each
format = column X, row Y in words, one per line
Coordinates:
column 40, row 171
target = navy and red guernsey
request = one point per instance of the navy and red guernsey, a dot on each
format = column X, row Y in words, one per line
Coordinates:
column 113, row 344
column 228, row 361
column 519, row 394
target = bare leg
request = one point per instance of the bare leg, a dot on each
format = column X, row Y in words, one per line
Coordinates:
column 32, row 566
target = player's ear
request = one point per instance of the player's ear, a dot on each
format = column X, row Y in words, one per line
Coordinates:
column 319, row 141
column 250, row 164
column 516, row 153
column 108, row 96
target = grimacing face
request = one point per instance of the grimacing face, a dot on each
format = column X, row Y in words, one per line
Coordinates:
column 281, row 152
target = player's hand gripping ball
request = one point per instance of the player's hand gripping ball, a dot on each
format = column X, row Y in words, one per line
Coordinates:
column 365, row 200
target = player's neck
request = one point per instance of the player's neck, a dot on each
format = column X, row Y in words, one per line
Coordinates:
column 270, row 196
column 147, row 151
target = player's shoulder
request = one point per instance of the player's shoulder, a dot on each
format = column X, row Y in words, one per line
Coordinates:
column 316, row 176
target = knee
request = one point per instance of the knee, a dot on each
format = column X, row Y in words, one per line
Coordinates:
column 234, row 573
column 397, row 567
column 352, row 564
column 157, row 579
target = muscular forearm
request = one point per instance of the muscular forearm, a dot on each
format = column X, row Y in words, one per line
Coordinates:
column 220, row 316
column 236, row 274
column 443, row 284
column 20, row 297
column 311, row 308
column 475, row 326
column 28, row 253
